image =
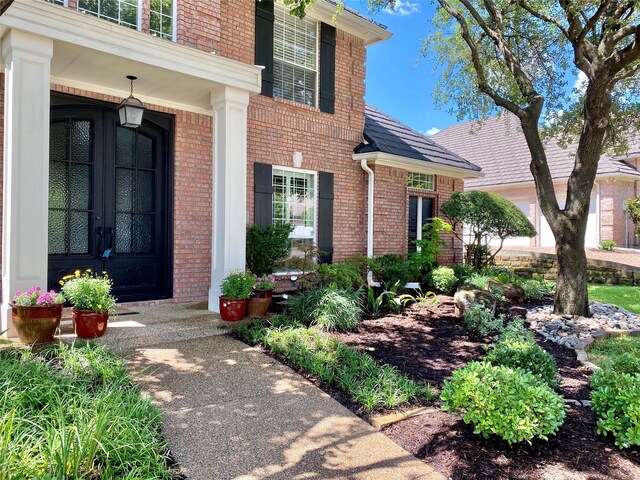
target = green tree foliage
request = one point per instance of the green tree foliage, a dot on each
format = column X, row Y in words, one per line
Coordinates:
column 486, row 216
column 632, row 206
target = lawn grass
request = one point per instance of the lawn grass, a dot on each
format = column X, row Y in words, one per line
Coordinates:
column 622, row 353
column 621, row 295
column 369, row 384
column 73, row 412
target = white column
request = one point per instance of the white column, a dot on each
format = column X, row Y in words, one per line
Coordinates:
column 27, row 60
column 229, row 186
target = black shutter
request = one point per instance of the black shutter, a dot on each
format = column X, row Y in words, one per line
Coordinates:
column 263, row 194
column 264, row 44
column 327, row 68
column 325, row 216
column 412, row 224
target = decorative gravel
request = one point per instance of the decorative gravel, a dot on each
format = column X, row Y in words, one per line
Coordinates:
column 572, row 331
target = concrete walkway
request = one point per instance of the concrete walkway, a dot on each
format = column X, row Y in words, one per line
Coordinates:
column 232, row 412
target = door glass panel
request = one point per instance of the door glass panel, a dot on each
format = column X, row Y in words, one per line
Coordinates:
column 144, row 191
column 80, row 179
column 143, row 233
column 125, row 141
column 57, row 232
column 79, row 238
column 58, row 185
column 145, row 152
column 123, row 243
column 124, row 190
column 58, row 141
column 80, row 144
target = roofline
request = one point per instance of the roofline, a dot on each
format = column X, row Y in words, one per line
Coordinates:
column 605, row 176
column 368, row 30
column 414, row 165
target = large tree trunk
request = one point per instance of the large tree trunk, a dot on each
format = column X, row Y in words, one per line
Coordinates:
column 571, row 290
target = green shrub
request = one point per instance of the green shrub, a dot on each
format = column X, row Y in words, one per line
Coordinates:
column 463, row 272
column 393, row 268
column 615, row 399
column 499, row 400
column 524, row 354
column 516, row 330
column 480, row 322
column 443, row 279
column 430, row 245
column 266, row 246
column 348, row 274
column 479, row 280
column 369, row 384
column 608, row 245
column 330, row 308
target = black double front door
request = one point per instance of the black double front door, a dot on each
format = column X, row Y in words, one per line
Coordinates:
column 108, row 199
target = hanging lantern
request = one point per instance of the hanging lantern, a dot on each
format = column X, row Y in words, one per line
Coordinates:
column 131, row 109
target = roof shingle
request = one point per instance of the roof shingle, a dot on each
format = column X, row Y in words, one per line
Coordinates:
column 386, row 134
column 499, row 147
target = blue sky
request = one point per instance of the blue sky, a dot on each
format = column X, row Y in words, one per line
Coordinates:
column 400, row 82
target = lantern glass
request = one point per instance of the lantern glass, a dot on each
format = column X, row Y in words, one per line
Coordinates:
column 130, row 114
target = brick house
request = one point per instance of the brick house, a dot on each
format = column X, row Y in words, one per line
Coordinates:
column 499, row 147
column 252, row 116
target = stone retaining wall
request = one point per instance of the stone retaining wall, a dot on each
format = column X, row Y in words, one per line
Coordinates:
column 599, row 271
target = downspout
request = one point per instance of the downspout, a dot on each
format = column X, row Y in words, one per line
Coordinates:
column 370, row 203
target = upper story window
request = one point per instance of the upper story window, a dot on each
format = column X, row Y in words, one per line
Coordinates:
column 421, row 181
column 122, row 12
column 162, row 14
column 295, row 58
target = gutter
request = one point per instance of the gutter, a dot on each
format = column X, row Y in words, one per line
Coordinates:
column 370, row 205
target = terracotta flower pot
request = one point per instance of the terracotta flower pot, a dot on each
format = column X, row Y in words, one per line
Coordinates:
column 259, row 303
column 232, row 310
column 36, row 324
column 89, row 324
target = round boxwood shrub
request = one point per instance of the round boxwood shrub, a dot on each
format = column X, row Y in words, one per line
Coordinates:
column 615, row 399
column 497, row 400
column 443, row 279
column 525, row 354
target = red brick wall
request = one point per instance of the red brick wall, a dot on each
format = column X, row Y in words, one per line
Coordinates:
column 613, row 193
column 392, row 212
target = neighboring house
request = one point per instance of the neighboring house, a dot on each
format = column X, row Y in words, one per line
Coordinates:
column 498, row 146
column 252, row 116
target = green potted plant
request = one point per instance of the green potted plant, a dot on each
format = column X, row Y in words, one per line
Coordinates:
column 262, row 296
column 236, row 289
column 92, row 301
column 36, row 315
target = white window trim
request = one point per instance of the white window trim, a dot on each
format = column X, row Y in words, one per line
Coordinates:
column 315, row 196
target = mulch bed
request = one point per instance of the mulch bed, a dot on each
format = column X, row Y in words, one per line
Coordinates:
column 429, row 344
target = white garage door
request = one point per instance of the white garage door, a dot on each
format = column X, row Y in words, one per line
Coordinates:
column 523, row 205
column 592, row 235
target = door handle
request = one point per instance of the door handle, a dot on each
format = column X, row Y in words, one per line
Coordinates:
column 100, row 234
column 107, row 252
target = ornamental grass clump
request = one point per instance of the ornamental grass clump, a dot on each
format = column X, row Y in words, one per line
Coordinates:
column 510, row 403
column 368, row 383
column 73, row 412
column 329, row 308
column 615, row 399
column 89, row 291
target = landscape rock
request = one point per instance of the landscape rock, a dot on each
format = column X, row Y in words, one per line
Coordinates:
column 469, row 295
column 514, row 293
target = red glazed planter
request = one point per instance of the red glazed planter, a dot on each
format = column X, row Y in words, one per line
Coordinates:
column 89, row 324
column 36, row 324
column 232, row 310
